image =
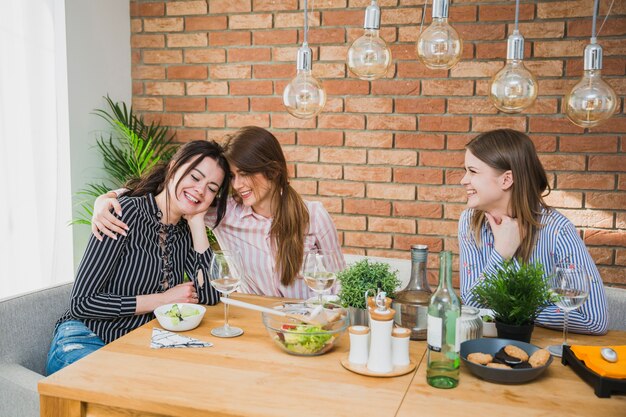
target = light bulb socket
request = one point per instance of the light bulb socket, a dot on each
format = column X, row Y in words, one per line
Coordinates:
column 515, row 46
column 305, row 58
column 440, row 9
column 593, row 57
column 372, row 17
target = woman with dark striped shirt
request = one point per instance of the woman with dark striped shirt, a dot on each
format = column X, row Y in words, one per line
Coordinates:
column 507, row 218
column 121, row 281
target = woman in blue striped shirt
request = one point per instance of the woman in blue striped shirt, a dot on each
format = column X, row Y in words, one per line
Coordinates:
column 507, row 217
column 121, row 281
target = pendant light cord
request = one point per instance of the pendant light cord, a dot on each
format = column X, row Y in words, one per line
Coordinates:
column 423, row 15
column 516, row 15
column 306, row 22
column 605, row 17
column 593, row 23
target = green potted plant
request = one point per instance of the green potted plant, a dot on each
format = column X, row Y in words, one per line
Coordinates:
column 516, row 293
column 361, row 277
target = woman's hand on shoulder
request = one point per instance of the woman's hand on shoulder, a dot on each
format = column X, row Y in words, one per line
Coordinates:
column 506, row 235
column 103, row 220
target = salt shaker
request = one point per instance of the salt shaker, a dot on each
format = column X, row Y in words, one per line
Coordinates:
column 400, row 337
column 381, row 322
column 359, row 344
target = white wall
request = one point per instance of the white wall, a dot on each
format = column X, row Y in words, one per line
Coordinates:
column 98, row 63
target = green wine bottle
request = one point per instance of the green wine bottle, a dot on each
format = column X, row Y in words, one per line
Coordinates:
column 443, row 311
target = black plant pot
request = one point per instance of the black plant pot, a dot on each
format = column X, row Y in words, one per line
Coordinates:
column 515, row 332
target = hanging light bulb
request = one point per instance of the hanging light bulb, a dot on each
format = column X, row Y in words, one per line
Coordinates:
column 369, row 56
column 513, row 88
column 591, row 101
column 304, row 97
column 439, row 46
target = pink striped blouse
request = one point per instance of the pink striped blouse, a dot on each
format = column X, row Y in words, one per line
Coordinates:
column 245, row 231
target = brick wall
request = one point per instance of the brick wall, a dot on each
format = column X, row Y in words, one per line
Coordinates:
column 385, row 157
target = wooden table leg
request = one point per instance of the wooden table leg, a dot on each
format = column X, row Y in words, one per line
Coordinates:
column 60, row 407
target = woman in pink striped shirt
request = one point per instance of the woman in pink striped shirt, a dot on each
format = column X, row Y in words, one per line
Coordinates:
column 266, row 220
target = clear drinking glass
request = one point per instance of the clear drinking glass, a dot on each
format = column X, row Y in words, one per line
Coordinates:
column 225, row 276
column 320, row 269
column 570, row 287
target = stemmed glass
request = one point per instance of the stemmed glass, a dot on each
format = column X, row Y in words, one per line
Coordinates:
column 570, row 287
column 225, row 274
column 320, row 269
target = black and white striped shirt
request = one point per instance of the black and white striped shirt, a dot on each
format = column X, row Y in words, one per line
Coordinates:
column 113, row 273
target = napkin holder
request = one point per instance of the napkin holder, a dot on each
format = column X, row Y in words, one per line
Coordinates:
column 603, row 386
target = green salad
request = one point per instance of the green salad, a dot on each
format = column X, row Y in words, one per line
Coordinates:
column 306, row 344
column 178, row 314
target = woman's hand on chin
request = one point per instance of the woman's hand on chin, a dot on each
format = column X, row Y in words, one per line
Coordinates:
column 506, row 235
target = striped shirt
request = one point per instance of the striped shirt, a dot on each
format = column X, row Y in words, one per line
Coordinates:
column 113, row 273
column 558, row 242
column 248, row 233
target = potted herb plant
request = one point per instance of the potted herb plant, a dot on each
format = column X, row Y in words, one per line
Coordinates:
column 361, row 277
column 516, row 293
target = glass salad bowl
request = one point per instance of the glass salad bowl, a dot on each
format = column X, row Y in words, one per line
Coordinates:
column 315, row 337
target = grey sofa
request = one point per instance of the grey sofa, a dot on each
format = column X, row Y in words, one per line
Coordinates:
column 616, row 300
column 26, row 327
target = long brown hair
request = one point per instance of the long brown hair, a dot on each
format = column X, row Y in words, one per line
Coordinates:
column 255, row 150
column 158, row 177
column 510, row 150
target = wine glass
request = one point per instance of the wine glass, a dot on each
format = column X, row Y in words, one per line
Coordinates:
column 570, row 287
column 225, row 274
column 320, row 269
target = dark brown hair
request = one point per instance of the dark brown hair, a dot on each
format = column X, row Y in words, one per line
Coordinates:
column 156, row 179
column 510, row 150
column 255, row 150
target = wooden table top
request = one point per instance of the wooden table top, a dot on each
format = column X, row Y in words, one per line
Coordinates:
column 249, row 375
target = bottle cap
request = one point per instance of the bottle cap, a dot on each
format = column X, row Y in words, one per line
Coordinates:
column 358, row 330
column 419, row 253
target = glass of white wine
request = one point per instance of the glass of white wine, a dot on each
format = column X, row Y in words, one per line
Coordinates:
column 570, row 286
column 225, row 274
column 319, row 271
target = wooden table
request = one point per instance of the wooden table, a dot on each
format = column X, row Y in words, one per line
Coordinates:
column 249, row 376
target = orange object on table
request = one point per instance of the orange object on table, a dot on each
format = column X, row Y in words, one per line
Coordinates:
column 594, row 360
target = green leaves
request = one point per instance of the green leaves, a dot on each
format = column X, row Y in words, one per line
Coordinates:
column 516, row 294
column 363, row 276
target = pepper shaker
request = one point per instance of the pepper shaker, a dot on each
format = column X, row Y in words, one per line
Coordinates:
column 400, row 337
column 359, row 344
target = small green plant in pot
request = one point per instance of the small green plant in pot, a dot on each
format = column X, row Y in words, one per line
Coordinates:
column 516, row 293
column 361, row 277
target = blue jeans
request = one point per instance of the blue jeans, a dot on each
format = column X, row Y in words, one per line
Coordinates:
column 72, row 340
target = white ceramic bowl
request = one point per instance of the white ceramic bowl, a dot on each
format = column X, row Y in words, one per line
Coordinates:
column 174, row 324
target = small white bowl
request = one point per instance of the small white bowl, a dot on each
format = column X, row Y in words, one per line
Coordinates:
column 489, row 327
column 173, row 324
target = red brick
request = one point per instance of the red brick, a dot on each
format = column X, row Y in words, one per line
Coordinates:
column 588, row 143
column 436, row 227
column 404, row 242
column 191, row 72
column 465, row 69
column 444, row 123
column 287, row 121
column 453, row 211
column 560, row 48
column 147, row 9
column 239, row 38
column 420, row 105
column 402, row 51
column 341, row 121
column 274, row 5
column 601, row 256
column 241, row 120
column 441, row 193
column 573, row 8
column 391, row 191
column 329, row 70
column 162, row 57
column 147, row 104
column 290, row 20
column 477, row 105
column 266, row 104
column 168, row 119
column 349, row 222
column 391, row 225
column 230, row 71
column 275, row 37
column 610, row 66
column 395, row 87
column 621, row 182
column 137, row 88
column 543, row 106
column 553, row 124
column 373, row 207
column 605, row 237
column 442, row 159
column 274, row 71
column 417, row 209
column 486, row 123
column 388, row 34
column 447, row 87
column 368, row 105
column 219, row 104
column 342, row 18
column 607, row 163
column 205, row 23
column 611, row 275
column 250, row 21
column 324, row 35
column 369, row 240
column 613, row 125
column 369, row 139
column 179, row 8
column 568, row 199
column 185, row 104
column 458, row 141
column 614, row 26
column 453, row 176
column 305, row 187
column 537, row 30
column 229, row 6
column 320, row 171
column 482, row 31
column 147, row 72
column 586, row 181
column 419, row 141
column 497, row 50
column 245, row 88
column 204, row 120
column 367, row 173
column 392, row 157
column 417, row 175
column 169, row 24
column 165, row 88
column 202, row 56
column 249, row 55
column 208, row 88
column 562, row 162
column 505, row 13
column 342, row 188
column 182, row 40
column 147, row 41
column 589, row 218
column 343, row 155
column 325, row 138
column 391, row 122
column 346, row 87
column 620, row 257
column 188, row 135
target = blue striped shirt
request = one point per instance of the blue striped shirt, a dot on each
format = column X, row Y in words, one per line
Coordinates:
column 113, row 273
column 558, row 242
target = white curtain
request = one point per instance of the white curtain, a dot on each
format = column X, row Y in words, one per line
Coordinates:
column 35, row 196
